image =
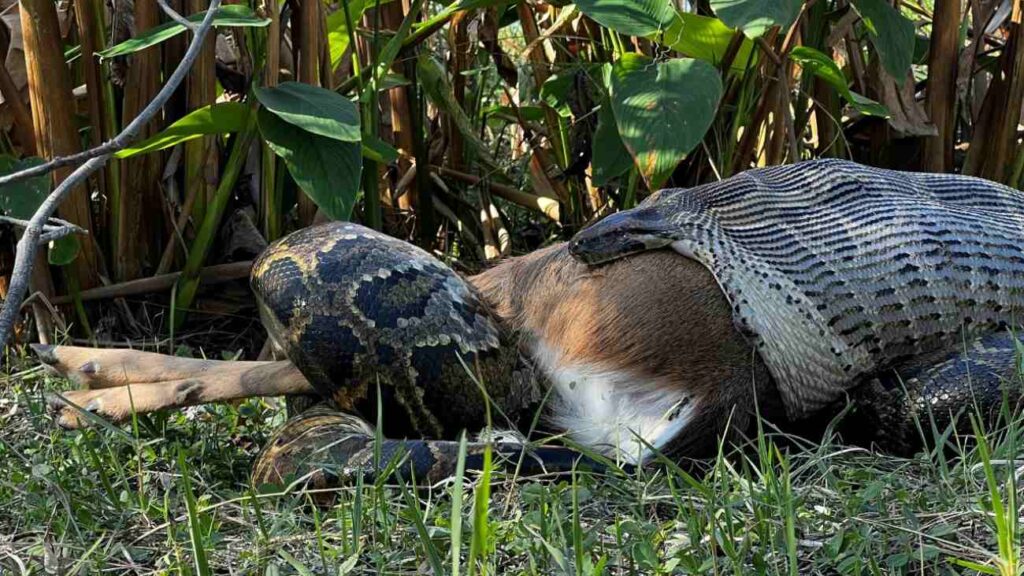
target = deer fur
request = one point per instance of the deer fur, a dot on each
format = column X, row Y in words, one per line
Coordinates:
column 641, row 347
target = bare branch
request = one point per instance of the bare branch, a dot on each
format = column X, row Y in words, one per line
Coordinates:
column 55, row 229
column 175, row 16
column 94, row 160
column 132, row 130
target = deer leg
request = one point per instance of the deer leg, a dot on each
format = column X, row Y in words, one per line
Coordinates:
column 122, row 381
column 95, row 368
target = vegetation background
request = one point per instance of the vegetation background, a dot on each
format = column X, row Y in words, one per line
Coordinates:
column 478, row 129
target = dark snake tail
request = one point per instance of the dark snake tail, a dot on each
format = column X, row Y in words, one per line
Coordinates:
column 325, row 448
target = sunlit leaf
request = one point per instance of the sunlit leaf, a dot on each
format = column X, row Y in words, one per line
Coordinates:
column 326, row 169
column 313, row 109
column 233, row 15
column 663, row 109
column 704, row 38
column 630, row 17
column 755, row 17
column 220, row 118
column 823, row 67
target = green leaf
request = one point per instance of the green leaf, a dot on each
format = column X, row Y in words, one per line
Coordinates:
column 378, row 150
column 63, row 251
column 326, row 169
column 755, row 17
column 337, row 27
column 825, row 68
column 662, row 110
column 630, row 17
column 610, row 157
column 891, row 33
column 555, row 91
column 237, row 15
column 313, row 109
column 21, row 199
column 221, row 118
column 704, row 38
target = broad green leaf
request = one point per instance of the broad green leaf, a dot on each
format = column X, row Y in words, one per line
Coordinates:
column 755, row 17
column 378, row 150
column 630, row 17
column 555, row 91
column 337, row 26
column 326, row 169
column 662, row 110
column 21, row 199
column 823, row 67
column 313, row 109
column 221, row 118
column 610, row 157
column 231, row 15
column 704, row 38
column 891, row 33
column 63, row 251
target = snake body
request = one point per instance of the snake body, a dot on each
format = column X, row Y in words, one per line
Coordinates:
column 888, row 290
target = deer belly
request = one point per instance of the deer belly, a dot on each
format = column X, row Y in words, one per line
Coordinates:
column 619, row 413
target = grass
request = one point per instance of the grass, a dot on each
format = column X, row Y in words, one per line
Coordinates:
column 169, row 495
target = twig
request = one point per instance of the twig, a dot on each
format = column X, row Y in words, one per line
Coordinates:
column 53, row 231
column 210, row 275
column 134, row 128
column 97, row 157
column 175, row 16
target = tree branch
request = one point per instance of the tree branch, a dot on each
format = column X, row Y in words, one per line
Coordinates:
column 132, row 130
column 94, row 160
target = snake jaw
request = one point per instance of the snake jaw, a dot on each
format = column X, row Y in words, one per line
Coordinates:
column 622, row 234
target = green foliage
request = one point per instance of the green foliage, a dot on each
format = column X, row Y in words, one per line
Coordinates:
column 220, row 118
column 662, row 110
column 891, row 33
column 629, row 17
column 326, row 169
column 317, row 134
column 233, row 15
column 63, row 251
column 21, row 199
column 825, row 68
column 610, row 156
column 755, row 17
column 704, row 38
column 313, row 109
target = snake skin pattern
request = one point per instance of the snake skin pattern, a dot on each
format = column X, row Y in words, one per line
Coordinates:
column 322, row 447
column 354, row 309
column 841, row 272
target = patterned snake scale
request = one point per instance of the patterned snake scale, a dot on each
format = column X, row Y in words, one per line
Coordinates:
column 841, row 272
column 355, row 310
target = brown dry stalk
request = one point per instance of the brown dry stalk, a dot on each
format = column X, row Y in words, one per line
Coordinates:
column 56, row 133
column 139, row 226
column 942, row 67
column 306, row 43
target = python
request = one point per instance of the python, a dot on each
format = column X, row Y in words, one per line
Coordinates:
column 660, row 330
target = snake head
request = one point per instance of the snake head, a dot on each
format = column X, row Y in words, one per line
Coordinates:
column 621, row 234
